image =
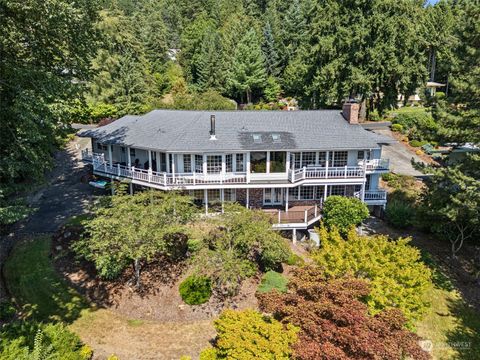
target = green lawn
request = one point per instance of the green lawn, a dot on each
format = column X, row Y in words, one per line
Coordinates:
column 450, row 324
column 36, row 287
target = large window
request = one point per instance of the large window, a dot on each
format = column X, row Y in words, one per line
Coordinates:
column 337, row 190
column 163, row 162
column 272, row 196
column 277, row 161
column 293, row 193
column 338, row 158
column 240, row 162
column 199, row 163
column 102, row 147
column 258, row 162
column 308, row 159
column 306, row 192
column 322, row 158
column 229, row 195
column 213, row 195
column 187, row 163
column 295, row 160
column 214, row 164
column 228, row 163
column 319, row 192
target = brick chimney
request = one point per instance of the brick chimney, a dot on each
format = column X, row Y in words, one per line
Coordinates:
column 350, row 112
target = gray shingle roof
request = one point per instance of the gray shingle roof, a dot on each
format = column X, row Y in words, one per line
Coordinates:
column 188, row 131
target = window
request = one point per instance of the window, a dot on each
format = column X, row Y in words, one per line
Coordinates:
column 257, row 138
column 276, row 138
column 102, row 147
column 272, row 196
column 198, row 197
column 322, row 158
column 228, row 163
column 277, row 161
column 360, row 155
column 213, row 195
column 367, row 184
column 293, row 193
column 308, row 158
column 295, row 160
column 214, row 164
column 187, row 163
column 258, row 161
column 163, row 162
column 199, row 163
column 240, row 165
column 338, row 158
column 319, row 192
column 132, row 152
column 337, row 190
column 306, row 192
column 229, row 195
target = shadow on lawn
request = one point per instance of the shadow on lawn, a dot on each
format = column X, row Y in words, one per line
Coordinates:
column 465, row 338
column 35, row 286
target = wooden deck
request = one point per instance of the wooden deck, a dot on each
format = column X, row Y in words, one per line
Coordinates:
column 300, row 216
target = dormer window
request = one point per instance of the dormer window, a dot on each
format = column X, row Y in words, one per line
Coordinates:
column 276, row 138
column 257, row 138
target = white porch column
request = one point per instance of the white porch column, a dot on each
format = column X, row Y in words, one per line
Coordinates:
column 110, row 158
column 149, row 159
column 173, row 166
column 326, row 164
column 129, row 158
column 248, row 168
column 362, row 192
column 224, row 165
column 287, row 162
column 268, row 163
column 248, row 198
column 205, row 197
column 204, row 164
column 286, row 199
column 325, row 193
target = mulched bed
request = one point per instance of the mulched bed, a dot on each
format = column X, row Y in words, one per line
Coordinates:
column 158, row 298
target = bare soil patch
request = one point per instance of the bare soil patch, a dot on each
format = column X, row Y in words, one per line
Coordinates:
column 157, row 300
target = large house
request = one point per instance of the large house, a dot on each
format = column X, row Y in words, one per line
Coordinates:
column 285, row 162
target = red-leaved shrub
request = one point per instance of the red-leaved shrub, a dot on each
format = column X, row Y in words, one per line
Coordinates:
column 335, row 324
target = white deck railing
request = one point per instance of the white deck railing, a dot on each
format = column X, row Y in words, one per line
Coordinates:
column 305, row 217
column 343, row 172
column 375, row 195
column 375, row 164
column 162, row 178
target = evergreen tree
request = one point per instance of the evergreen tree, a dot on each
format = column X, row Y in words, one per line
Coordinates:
column 209, row 67
column 247, row 73
column 270, row 51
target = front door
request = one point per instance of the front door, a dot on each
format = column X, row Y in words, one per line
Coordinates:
column 273, row 196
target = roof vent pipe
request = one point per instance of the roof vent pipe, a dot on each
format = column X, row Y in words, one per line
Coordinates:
column 212, row 128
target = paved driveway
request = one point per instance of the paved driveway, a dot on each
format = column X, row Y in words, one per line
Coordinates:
column 400, row 157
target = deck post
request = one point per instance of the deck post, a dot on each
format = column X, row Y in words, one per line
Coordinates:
column 130, row 186
column 165, row 179
column 118, row 169
column 279, row 216
column 248, row 198
column 294, row 236
column 286, row 200
column 316, row 210
column 306, row 216
column 205, row 196
column 110, row 159
column 362, row 193
column 326, row 164
column 304, row 172
column 173, row 166
column 325, row 193
column 248, row 169
column 345, row 171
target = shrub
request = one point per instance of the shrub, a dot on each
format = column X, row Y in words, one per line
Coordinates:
column 245, row 335
column 398, row 277
column 7, row 310
column 343, row 212
column 196, row 290
column 418, row 125
column 416, row 143
column 25, row 340
column 335, row 324
column 374, row 116
column 397, row 127
column 400, row 214
column 273, row 280
column 294, row 259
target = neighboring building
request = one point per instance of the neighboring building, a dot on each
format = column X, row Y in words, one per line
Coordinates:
column 287, row 162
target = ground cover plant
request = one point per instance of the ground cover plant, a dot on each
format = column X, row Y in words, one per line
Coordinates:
column 334, row 322
column 247, row 334
column 195, row 290
column 394, row 269
column 273, row 280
